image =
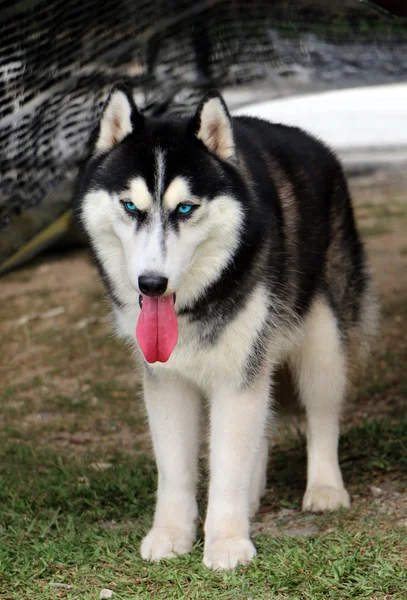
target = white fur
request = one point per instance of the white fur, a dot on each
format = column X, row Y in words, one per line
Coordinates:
column 115, row 123
column 159, row 174
column 239, row 416
column 177, row 192
column 144, row 252
column 215, row 129
column 173, row 408
column 191, row 261
column 100, row 212
column 207, row 366
column 321, row 371
column 238, row 421
column 219, row 226
column 139, row 194
column 259, row 476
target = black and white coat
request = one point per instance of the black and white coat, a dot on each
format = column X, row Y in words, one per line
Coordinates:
column 267, row 267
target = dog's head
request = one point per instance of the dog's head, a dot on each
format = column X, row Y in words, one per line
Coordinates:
column 160, row 198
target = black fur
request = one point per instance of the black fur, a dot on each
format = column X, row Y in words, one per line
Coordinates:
column 323, row 214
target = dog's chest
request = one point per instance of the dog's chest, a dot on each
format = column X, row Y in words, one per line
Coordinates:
column 203, row 353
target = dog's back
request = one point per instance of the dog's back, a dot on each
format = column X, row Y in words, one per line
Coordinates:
column 306, row 222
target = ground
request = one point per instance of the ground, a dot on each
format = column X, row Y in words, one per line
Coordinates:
column 77, row 477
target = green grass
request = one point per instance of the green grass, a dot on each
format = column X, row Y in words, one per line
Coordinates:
column 373, row 230
column 64, row 522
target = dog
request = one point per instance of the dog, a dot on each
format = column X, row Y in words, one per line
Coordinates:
column 228, row 247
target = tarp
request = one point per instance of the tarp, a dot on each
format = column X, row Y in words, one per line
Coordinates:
column 59, row 58
column 369, row 123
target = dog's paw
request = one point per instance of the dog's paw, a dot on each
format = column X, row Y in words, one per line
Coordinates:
column 325, row 497
column 165, row 543
column 228, row 553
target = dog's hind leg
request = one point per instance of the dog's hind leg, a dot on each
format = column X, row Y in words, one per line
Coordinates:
column 321, row 373
column 173, row 408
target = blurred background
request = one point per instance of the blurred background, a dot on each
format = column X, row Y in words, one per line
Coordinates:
column 67, row 387
column 59, row 60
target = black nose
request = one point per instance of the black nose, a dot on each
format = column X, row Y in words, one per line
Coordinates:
column 152, row 285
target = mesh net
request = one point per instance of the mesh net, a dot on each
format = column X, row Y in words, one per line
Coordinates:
column 59, row 58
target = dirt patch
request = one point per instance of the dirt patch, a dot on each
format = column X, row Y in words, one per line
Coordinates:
column 388, row 502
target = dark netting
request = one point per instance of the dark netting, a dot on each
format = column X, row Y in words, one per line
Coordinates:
column 59, row 58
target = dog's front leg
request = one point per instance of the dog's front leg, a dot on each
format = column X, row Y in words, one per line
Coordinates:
column 173, row 408
column 238, row 421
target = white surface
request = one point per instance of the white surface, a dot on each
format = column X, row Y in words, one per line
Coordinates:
column 350, row 119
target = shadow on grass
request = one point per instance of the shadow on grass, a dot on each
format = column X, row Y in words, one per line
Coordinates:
column 37, row 482
column 373, row 451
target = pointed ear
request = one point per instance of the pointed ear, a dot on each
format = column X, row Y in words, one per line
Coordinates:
column 212, row 124
column 120, row 117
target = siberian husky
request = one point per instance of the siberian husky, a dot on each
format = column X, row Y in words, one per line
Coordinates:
column 228, row 247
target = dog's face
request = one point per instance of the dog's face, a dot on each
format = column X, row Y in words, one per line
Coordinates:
column 166, row 195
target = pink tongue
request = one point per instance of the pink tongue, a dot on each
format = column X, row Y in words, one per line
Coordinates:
column 157, row 328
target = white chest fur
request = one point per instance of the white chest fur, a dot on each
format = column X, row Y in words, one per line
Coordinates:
column 208, row 363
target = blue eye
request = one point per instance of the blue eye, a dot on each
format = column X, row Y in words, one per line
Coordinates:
column 184, row 209
column 130, row 206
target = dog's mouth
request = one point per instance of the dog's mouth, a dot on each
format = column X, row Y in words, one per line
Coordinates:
column 157, row 327
column 140, row 300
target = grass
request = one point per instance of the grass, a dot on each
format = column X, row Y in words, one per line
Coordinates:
column 375, row 230
column 63, row 521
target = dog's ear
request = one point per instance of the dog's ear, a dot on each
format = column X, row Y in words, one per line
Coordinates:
column 120, row 117
column 212, row 124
